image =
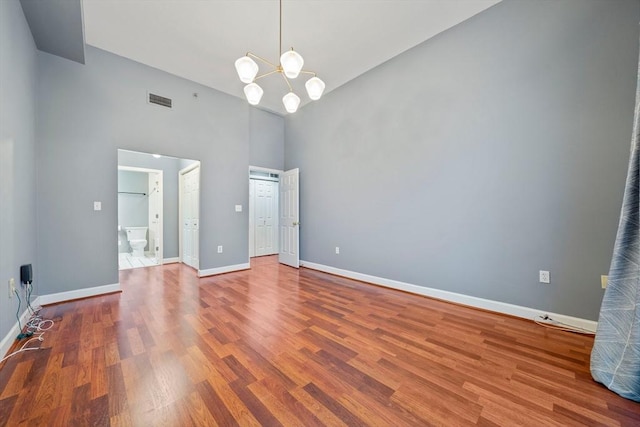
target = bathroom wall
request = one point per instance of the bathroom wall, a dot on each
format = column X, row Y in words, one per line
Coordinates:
column 133, row 209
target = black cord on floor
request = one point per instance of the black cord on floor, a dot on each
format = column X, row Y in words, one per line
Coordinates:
column 18, row 311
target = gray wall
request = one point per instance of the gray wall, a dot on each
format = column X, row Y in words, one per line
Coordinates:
column 86, row 112
column 133, row 209
column 497, row 149
column 266, row 139
column 17, row 156
column 184, row 163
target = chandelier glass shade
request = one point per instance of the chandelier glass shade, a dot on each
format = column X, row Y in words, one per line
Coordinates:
column 247, row 69
column 253, row 92
column 315, row 87
column 291, row 102
column 289, row 67
column 292, row 63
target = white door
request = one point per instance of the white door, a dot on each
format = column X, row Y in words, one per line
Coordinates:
column 265, row 217
column 252, row 230
column 191, row 217
column 289, row 219
column 155, row 216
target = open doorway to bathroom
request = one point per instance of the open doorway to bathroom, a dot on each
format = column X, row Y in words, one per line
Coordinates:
column 139, row 217
column 148, row 208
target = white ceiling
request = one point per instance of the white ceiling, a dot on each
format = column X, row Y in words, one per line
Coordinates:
column 201, row 39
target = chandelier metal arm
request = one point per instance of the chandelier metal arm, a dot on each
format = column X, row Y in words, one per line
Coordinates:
column 287, row 81
column 259, row 58
column 266, row 74
column 308, row 72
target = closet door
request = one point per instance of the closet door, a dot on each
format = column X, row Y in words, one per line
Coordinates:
column 265, row 217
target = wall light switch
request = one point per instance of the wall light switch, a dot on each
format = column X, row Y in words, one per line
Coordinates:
column 219, row 249
column 238, row 208
column 337, row 249
column 97, row 206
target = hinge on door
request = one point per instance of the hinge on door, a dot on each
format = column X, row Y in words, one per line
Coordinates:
column 157, row 216
column 157, row 248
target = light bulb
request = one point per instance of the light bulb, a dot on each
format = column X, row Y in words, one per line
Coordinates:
column 292, row 63
column 253, row 92
column 247, row 69
column 291, row 102
column 315, row 87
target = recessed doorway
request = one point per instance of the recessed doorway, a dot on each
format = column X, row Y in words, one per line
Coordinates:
column 263, row 212
column 140, row 215
column 161, row 196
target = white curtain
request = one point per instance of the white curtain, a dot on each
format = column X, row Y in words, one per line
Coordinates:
column 615, row 358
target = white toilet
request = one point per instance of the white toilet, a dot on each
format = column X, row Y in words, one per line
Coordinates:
column 137, row 237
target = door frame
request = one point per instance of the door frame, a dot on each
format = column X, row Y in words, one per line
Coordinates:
column 251, row 207
column 148, row 171
column 159, row 254
column 181, row 173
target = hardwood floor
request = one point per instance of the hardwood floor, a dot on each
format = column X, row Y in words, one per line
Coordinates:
column 277, row 346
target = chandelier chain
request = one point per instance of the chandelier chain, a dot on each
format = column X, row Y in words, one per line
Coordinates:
column 280, row 40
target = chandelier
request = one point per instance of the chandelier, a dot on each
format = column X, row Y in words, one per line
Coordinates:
column 289, row 67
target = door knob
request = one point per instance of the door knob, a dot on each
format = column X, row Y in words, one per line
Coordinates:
column 296, row 223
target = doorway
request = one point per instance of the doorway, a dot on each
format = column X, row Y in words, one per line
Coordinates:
column 140, row 217
column 274, row 208
column 189, row 188
column 263, row 212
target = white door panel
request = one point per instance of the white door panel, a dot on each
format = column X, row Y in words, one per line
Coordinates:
column 191, row 217
column 263, row 208
column 289, row 218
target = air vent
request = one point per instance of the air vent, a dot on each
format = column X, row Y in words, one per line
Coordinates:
column 159, row 100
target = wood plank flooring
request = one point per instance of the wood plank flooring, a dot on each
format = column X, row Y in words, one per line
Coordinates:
column 278, row 346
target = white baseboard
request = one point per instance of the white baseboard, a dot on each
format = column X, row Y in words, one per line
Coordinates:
column 497, row 306
column 171, row 260
column 79, row 293
column 8, row 340
column 222, row 270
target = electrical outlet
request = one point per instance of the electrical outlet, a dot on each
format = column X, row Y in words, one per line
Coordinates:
column 337, row 249
column 604, row 281
column 544, row 277
column 219, row 249
column 12, row 287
